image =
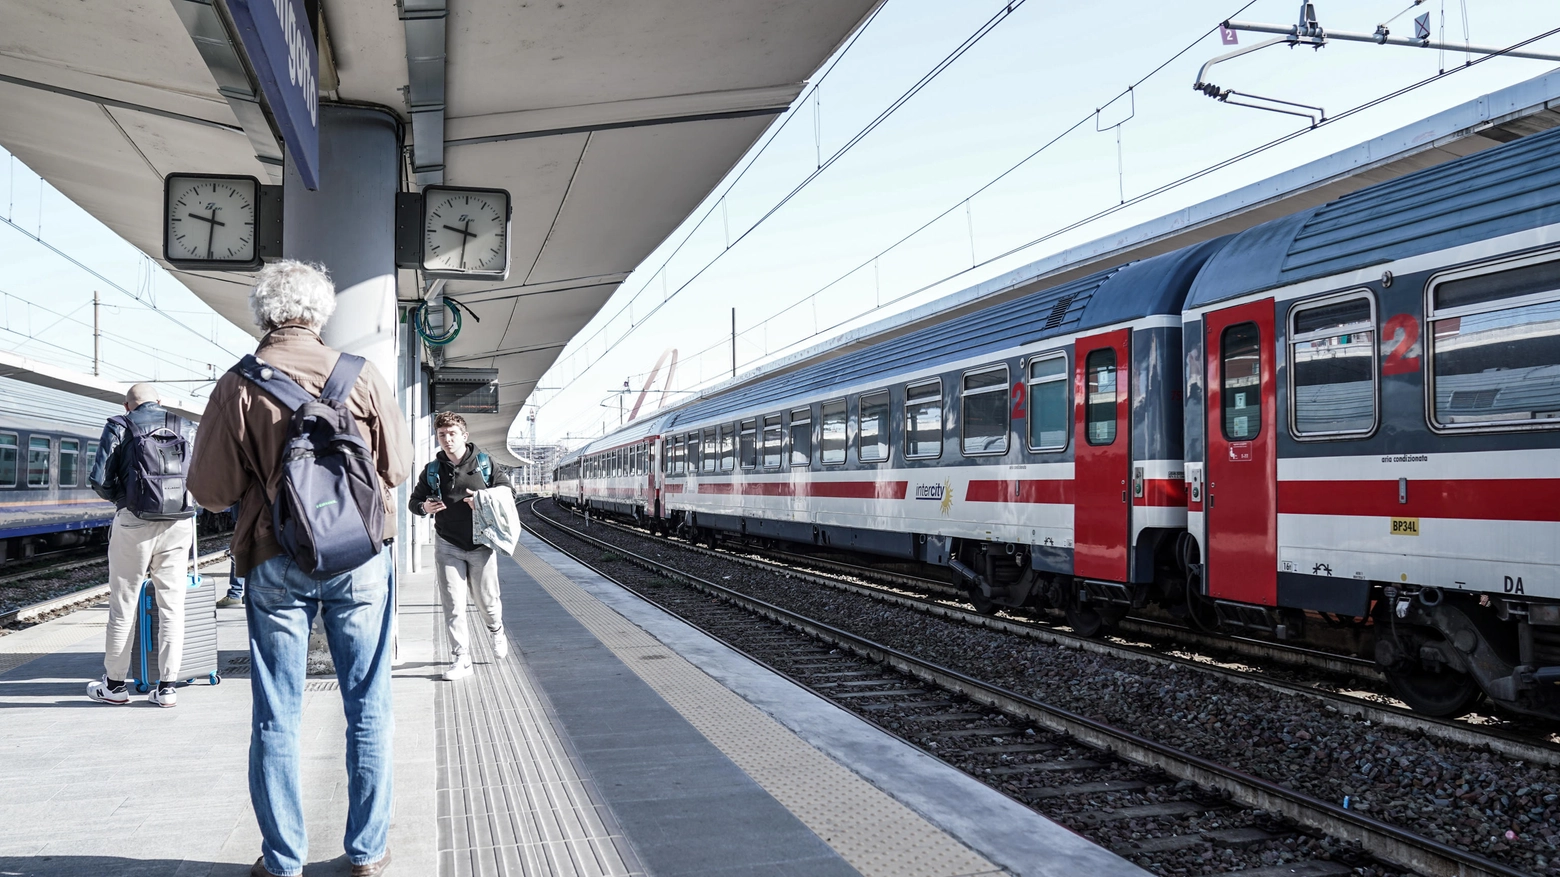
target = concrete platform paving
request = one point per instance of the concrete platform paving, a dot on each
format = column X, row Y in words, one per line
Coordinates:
column 614, row 740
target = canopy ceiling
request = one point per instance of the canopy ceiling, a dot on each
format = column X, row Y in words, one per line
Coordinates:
column 608, row 121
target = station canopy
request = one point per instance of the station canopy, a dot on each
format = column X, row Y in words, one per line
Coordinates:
column 607, row 120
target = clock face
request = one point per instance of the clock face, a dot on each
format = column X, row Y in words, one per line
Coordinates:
column 211, row 220
column 465, row 232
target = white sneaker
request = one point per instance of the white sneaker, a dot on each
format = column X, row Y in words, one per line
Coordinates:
column 460, row 669
column 500, row 645
column 163, row 696
column 100, row 692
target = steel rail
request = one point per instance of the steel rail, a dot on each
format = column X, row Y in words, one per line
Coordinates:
column 90, row 593
column 1452, row 731
column 1391, row 843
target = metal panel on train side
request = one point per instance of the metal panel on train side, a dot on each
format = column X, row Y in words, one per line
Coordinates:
column 1102, row 456
column 1242, row 469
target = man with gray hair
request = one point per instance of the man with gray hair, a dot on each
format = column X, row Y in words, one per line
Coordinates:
column 150, row 537
column 238, row 459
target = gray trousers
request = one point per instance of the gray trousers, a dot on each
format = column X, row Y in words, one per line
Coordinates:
column 457, row 571
column 137, row 550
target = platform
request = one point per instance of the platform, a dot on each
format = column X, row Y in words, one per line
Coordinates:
column 614, row 740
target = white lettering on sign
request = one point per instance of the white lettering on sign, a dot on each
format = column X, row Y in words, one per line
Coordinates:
column 298, row 36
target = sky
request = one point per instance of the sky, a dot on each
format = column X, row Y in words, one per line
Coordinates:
column 888, row 218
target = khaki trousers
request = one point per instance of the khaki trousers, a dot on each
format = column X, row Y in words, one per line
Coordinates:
column 137, row 550
column 457, row 572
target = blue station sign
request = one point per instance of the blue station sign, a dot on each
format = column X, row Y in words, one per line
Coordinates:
column 279, row 41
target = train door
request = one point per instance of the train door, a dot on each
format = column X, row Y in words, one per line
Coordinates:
column 1101, row 456
column 1241, row 557
column 657, row 457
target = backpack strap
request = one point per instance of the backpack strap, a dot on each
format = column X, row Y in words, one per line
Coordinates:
column 485, row 466
column 272, row 380
column 431, row 475
column 342, row 377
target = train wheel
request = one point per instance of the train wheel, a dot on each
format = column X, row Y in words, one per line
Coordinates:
column 1444, row 695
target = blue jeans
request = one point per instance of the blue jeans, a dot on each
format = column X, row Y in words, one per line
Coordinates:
column 356, row 608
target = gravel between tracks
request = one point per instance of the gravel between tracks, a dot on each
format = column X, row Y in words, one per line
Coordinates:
column 1506, row 810
column 47, row 585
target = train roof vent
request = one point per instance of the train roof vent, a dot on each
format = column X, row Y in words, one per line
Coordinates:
column 1059, row 310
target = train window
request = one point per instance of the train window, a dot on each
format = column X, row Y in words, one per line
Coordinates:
column 1494, row 349
column 1048, row 403
column 872, row 427
column 984, row 427
column 1332, row 367
column 801, row 438
column 70, row 454
column 1240, row 381
column 8, row 458
column 38, row 449
column 691, row 452
column 923, row 420
column 728, row 447
column 710, row 455
column 748, row 444
column 831, row 433
column 772, row 436
column 92, row 449
column 674, row 455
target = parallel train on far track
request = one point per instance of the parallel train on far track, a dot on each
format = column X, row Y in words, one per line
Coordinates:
column 1341, row 426
column 48, row 440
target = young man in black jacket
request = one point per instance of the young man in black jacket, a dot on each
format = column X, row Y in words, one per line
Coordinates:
column 459, row 470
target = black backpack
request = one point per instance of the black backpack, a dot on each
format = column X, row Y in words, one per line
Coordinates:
column 328, row 512
column 156, row 463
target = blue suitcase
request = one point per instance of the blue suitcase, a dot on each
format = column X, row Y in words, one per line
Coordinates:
column 200, row 634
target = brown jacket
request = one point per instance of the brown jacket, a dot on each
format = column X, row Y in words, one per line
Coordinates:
column 238, row 448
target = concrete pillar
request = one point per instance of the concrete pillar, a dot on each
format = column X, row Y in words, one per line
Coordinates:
column 348, row 225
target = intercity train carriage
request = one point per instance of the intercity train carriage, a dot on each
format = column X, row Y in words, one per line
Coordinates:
column 612, row 474
column 1342, row 426
column 1372, row 405
column 48, row 440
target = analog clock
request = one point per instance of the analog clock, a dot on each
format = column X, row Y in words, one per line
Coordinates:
column 465, row 232
column 211, row 221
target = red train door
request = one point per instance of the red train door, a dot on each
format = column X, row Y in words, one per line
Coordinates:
column 1242, row 478
column 1101, row 456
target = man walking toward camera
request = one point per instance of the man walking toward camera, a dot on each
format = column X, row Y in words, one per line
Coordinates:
column 140, row 465
column 238, row 459
column 447, row 491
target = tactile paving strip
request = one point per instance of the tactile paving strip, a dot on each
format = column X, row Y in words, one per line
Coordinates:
column 510, row 800
column 876, row 834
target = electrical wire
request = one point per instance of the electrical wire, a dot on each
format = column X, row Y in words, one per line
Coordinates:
column 963, row 47
column 90, row 270
column 969, row 42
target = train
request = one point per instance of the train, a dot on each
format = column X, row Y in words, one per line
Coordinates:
column 48, row 440
column 1338, row 427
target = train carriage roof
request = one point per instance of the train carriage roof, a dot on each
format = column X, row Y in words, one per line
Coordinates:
column 1157, row 285
column 1510, row 188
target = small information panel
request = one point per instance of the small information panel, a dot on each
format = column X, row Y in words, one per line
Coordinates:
column 464, row 390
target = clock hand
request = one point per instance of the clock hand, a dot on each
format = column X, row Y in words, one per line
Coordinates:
column 213, row 219
column 469, row 234
column 465, row 233
column 212, row 231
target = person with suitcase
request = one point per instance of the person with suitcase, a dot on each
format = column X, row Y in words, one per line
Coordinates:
column 310, row 443
column 142, row 462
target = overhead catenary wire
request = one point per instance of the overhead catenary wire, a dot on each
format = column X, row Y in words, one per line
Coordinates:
column 115, row 286
column 990, row 24
column 942, row 65
column 1192, row 177
column 191, row 365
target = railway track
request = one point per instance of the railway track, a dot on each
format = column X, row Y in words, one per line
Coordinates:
column 33, row 611
column 1532, row 747
column 1086, row 773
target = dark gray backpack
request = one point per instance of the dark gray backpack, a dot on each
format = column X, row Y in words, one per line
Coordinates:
column 156, row 463
column 328, row 511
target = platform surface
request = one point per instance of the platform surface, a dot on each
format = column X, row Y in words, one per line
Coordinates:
column 613, row 740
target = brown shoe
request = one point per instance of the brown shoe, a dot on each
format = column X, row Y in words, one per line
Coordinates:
column 373, row 869
column 259, row 870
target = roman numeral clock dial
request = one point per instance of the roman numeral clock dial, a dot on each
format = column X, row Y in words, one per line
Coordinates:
column 209, row 221
column 465, row 232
